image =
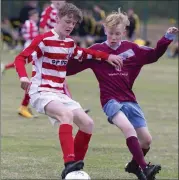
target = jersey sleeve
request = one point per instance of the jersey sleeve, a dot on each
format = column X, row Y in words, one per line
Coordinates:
column 44, row 18
column 26, row 56
column 74, row 67
column 147, row 55
column 82, row 54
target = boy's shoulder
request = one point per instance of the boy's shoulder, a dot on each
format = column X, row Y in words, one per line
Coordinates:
column 128, row 44
column 42, row 37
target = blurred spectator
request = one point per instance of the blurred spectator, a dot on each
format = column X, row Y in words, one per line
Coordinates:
column 99, row 15
column 142, row 42
column 8, row 34
column 30, row 29
column 173, row 50
column 29, row 5
column 86, row 29
column 133, row 30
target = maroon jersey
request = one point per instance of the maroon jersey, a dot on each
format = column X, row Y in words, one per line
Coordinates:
column 115, row 83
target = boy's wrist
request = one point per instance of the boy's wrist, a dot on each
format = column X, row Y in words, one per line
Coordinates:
column 170, row 36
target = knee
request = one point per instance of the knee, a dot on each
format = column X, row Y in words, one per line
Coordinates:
column 146, row 142
column 90, row 123
column 87, row 125
column 65, row 117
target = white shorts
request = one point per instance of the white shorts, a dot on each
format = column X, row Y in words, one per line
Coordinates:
column 40, row 99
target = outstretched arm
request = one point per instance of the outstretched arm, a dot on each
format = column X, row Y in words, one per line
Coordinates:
column 147, row 55
column 82, row 54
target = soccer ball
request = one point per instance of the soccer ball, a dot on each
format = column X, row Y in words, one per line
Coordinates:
column 77, row 175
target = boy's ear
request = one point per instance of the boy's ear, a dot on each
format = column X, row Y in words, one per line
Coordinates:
column 105, row 32
column 57, row 19
column 124, row 33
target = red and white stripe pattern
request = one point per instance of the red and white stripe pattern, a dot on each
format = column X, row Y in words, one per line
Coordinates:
column 47, row 20
column 29, row 30
column 50, row 56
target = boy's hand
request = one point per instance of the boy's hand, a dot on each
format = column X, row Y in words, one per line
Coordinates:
column 115, row 60
column 172, row 30
column 25, row 82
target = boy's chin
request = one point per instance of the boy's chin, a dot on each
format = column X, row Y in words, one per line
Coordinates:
column 113, row 44
column 67, row 33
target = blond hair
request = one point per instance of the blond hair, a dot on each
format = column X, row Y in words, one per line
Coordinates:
column 70, row 9
column 116, row 18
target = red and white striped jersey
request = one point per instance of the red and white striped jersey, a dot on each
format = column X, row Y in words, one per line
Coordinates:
column 47, row 20
column 50, row 56
column 29, row 30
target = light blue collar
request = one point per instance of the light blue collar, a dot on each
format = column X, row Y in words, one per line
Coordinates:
column 113, row 47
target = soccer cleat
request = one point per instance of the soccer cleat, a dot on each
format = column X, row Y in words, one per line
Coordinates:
column 24, row 111
column 151, row 170
column 135, row 169
column 73, row 166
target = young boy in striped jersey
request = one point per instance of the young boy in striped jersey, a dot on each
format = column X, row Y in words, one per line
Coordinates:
column 49, row 54
column 117, row 98
column 47, row 22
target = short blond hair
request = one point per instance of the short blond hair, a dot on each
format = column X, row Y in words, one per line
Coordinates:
column 116, row 18
column 70, row 9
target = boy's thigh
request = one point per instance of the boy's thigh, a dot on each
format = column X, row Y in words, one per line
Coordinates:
column 41, row 99
column 134, row 114
column 111, row 108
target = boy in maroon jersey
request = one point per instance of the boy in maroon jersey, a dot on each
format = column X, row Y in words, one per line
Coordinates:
column 117, row 98
column 49, row 54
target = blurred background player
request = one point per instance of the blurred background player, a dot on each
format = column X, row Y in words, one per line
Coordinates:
column 24, row 12
column 29, row 31
column 48, row 16
column 99, row 15
column 9, row 33
column 133, row 30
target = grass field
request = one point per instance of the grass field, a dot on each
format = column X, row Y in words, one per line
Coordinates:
column 30, row 148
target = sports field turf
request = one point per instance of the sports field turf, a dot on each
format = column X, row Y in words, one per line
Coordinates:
column 30, row 147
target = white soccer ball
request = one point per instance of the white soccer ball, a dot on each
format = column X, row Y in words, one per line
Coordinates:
column 77, row 175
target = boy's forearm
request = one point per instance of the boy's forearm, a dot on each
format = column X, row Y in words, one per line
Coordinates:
column 98, row 55
column 20, row 66
column 161, row 47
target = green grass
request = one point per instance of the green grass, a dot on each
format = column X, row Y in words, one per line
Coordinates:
column 30, row 148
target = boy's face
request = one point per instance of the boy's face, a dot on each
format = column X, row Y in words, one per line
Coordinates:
column 66, row 24
column 35, row 17
column 115, row 34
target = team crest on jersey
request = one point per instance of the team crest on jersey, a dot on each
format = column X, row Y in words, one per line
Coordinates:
column 127, row 54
